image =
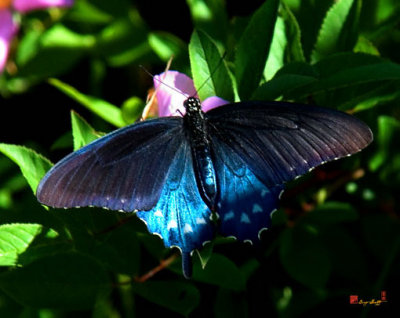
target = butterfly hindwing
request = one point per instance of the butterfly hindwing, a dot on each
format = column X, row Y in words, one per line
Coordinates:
column 124, row 170
column 279, row 141
column 180, row 217
column 244, row 204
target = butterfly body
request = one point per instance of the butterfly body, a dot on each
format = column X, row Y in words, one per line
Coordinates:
column 196, row 126
column 176, row 172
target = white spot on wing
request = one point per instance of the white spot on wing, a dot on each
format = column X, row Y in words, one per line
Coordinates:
column 229, row 215
column 200, row 221
column 172, row 225
column 187, row 228
column 257, row 208
column 158, row 213
column 244, row 218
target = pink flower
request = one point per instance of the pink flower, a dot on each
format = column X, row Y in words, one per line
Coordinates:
column 9, row 27
column 173, row 88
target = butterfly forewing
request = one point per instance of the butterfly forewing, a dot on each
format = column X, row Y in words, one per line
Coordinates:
column 279, row 141
column 125, row 170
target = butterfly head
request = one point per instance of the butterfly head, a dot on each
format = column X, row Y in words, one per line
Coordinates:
column 192, row 104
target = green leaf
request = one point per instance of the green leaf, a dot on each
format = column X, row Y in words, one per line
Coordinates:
column 125, row 40
column 293, row 34
column 277, row 51
column 210, row 16
column 82, row 132
column 119, row 250
column 132, row 109
column 86, row 12
column 304, row 257
column 220, row 271
column 59, row 36
column 205, row 254
column 253, row 48
column 65, row 280
column 347, row 256
column 103, row 109
column 14, row 240
column 343, row 75
column 180, row 297
column 382, row 236
column 166, row 45
column 33, row 166
column 388, row 128
column 209, row 71
column 292, row 77
column 338, row 31
column 332, row 212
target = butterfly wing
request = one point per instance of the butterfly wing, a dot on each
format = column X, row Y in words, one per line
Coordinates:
column 180, row 217
column 279, row 141
column 244, row 202
column 124, row 170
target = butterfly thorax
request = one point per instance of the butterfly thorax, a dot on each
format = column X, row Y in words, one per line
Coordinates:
column 200, row 143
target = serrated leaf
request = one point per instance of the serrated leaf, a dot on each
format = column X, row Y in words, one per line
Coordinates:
column 277, row 51
column 65, row 280
column 15, row 239
column 291, row 77
column 33, row 166
column 209, row 71
column 253, row 48
column 293, row 34
column 180, row 297
column 336, row 29
column 103, row 109
column 82, row 132
column 348, row 71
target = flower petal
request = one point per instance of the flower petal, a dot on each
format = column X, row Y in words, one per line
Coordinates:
column 212, row 102
column 173, row 88
column 29, row 5
column 8, row 28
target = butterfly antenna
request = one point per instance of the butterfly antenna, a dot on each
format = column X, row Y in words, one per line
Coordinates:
column 161, row 82
column 213, row 72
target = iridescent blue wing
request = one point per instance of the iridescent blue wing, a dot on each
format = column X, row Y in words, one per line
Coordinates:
column 244, row 203
column 180, row 217
column 124, row 170
column 278, row 141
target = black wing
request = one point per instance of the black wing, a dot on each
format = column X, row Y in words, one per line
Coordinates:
column 124, row 170
column 280, row 141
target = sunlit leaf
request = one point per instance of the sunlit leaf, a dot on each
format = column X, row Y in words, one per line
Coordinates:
column 253, row 48
column 82, row 132
column 209, row 71
column 15, row 239
column 103, row 109
column 33, row 166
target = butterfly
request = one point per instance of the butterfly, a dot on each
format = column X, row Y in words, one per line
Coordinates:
column 188, row 177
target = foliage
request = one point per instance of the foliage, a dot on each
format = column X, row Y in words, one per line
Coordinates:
column 337, row 232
